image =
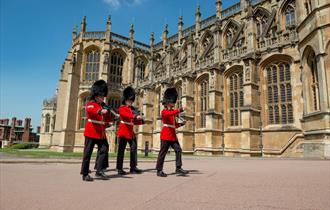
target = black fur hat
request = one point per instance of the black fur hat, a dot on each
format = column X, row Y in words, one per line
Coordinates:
column 128, row 94
column 170, row 96
column 99, row 88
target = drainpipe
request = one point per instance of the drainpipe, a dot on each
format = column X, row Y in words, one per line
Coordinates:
column 261, row 146
column 223, row 136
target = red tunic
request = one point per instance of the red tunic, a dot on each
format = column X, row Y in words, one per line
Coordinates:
column 96, row 129
column 127, row 121
column 168, row 118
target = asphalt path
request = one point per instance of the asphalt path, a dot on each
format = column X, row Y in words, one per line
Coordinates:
column 211, row 184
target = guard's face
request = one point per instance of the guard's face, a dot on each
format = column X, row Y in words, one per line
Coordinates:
column 99, row 99
column 129, row 102
column 170, row 105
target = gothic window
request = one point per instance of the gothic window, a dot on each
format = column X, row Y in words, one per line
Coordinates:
column 207, row 45
column 203, row 102
column 116, row 68
column 308, row 6
column 184, row 55
column 279, row 93
column 229, row 37
column 314, row 81
column 179, row 89
column 261, row 19
column 230, row 32
column 47, row 123
column 53, row 123
column 83, row 118
column 92, row 64
column 289, row 12
column 176, row 58
column 114, row 103
column 159, row 103
column 207, row 41
column 140, row 67
column 236, row 98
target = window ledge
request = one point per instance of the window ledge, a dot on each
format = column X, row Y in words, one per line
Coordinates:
column 280, row 127
column 315, row 114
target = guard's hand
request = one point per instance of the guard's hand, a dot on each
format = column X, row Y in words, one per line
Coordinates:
column 139, row 117
column 104, row 111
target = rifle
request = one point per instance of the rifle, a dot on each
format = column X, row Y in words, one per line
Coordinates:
column 110, row 109
column 137, row 112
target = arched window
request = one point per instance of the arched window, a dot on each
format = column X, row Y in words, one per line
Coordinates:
column 179, row 90
column 230, row 32
column 140, row 66
column 279, row 93
column 159, row 103
column 236, row 98
column 47, row 123
column 83, row 118
column 53, row 123
column 114, row 103
column 203, row 102
column 184, row 55
column 314, row 81
column 229, row 37
column 261, row 19
column 116, row 68
column 308, row 6
column 92, row 64
column 207, row 40
column 289, row 12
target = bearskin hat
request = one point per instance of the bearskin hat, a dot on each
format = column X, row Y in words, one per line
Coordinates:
column 99, row 88
column 128, row 94
column 170, row 96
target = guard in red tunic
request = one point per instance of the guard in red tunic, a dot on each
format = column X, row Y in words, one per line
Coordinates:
column 168, row 135
column 98, row 119
column 128, row 118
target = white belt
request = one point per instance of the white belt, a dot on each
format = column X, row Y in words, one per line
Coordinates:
column 96, row 122
column 127, row 123
column 168, row 125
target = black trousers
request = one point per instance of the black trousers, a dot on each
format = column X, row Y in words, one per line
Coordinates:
column 121, row 152
column 165, row 145
column 105, row 163
column 103, row 148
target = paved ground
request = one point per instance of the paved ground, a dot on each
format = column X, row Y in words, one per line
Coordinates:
column 212, row 184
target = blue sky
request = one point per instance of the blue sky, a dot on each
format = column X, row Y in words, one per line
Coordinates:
column 36, row 35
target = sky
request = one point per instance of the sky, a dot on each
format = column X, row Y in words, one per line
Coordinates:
column 35, row 36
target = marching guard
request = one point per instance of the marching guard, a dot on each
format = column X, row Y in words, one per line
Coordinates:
column 168, row 135
column 98, row 119
column 129, row 116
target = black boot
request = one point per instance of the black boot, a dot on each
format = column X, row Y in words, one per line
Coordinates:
column 102, row 175
column 135, row 170
column 181, row 171
column 87, row 178
column 161, row 174
column 121, row 172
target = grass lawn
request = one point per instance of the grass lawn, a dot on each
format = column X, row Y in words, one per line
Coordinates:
column 45, row 153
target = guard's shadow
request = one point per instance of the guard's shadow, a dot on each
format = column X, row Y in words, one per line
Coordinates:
column 191, row 172
column 112, row 176
column 148, row 170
